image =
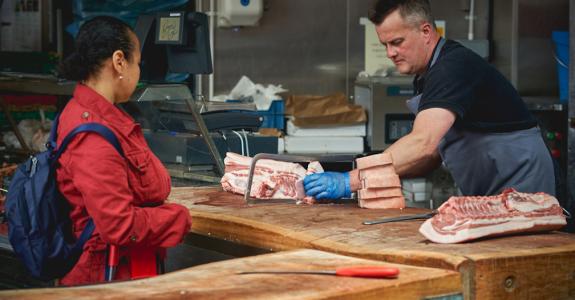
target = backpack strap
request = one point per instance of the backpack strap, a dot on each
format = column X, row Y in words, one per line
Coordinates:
column 106, row 133
column 102, row 130
column 84, row 236
column 51, row 143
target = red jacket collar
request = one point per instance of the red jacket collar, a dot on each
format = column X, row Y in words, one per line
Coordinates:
column 90, row 99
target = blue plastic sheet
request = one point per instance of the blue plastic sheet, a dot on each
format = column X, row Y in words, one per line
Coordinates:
column 125, row 10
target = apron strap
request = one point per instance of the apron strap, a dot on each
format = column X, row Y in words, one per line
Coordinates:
column 413, row 103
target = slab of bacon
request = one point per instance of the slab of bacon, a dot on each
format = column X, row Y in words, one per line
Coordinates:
column 467, row 218
column 272, row 179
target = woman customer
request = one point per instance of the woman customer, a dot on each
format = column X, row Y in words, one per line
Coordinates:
column 123, row 195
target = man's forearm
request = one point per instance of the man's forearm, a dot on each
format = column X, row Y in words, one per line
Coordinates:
column 414, row 155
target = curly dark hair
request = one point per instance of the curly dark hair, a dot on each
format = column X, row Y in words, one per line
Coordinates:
column 96, row 41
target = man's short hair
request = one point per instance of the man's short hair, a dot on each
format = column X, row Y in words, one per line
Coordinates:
column 412, row 11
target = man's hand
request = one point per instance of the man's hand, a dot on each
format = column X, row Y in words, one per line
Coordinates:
column 327, row 185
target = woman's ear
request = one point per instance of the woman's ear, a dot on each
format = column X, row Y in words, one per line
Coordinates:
column 119, row 61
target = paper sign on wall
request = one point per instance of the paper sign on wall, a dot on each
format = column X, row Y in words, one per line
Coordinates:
column 376, row 60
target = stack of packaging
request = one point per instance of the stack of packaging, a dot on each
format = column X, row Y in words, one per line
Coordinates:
column 327, row 139
column 417, row 192
column 324, row 124
column 380, row 185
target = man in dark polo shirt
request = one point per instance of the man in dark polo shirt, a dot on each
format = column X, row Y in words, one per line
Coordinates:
column 468, row 115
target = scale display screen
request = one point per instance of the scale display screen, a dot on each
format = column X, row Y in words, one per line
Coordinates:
column 397, row 126
column 170, row 28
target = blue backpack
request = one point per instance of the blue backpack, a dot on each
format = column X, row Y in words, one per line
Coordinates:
column 39, row 225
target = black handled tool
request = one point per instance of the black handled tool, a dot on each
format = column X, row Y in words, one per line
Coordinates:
column 401, row 218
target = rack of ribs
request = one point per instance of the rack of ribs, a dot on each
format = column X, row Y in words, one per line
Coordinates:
column 466, row 218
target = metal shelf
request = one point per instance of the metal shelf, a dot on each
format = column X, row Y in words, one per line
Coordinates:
column 543, row 103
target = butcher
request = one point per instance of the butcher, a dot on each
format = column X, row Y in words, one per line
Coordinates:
column 468, row 116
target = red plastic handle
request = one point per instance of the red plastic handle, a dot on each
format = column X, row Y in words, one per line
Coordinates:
column 370, row 272
column 113, row 256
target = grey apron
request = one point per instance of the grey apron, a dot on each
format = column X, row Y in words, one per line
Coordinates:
column 487, row 163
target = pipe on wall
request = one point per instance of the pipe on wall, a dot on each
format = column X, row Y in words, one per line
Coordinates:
column 198, row 78
column 471, row 20
column 212, row 15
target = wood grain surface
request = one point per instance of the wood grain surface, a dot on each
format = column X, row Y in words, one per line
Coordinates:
column 221, row 281
column 533, row 266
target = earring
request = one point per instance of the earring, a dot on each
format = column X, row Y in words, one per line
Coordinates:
column 121, row 77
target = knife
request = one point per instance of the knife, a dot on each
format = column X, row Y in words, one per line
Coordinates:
column 401, row 218
column 364, row 272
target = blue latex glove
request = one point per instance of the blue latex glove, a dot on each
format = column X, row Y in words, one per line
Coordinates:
column 328, row 185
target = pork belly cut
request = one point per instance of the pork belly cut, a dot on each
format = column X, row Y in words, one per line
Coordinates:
column 389, row 180
column 374, row 193
column 272, row 179
column 462, row 219
column 375, row 160
column 380, row 184
column 382, row 203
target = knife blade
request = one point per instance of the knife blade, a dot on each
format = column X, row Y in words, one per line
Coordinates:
column 401, row 218
column 364, row 272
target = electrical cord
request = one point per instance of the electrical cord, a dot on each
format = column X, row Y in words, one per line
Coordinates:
column 247, row 143
column 225, row 138
column 241, row 141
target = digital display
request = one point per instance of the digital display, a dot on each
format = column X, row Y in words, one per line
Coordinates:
column 397, row 126
column 169, row 30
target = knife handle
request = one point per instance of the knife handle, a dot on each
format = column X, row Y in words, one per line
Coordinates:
column 370, row 272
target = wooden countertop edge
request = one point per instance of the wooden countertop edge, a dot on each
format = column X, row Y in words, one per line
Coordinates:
column 411, row 290
column 275, row 238
column 407, row 257
column 176, row 284
column 247, row 232
column 524, row 253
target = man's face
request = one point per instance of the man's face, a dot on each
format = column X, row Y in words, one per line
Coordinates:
column 405, row 44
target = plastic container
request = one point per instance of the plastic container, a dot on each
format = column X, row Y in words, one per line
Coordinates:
column 561, row 54
column 274, row 117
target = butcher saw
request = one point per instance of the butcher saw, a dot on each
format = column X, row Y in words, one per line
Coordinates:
column 287, row 158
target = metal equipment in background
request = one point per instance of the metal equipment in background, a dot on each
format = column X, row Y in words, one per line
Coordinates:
column 384, row 98
column 178, row 92
column 178, row 125
column 175, row 42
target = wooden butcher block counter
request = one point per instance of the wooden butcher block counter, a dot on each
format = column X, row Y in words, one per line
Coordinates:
column 538, row 266
column 221, row 281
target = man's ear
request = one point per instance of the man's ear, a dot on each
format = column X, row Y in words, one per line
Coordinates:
column 119, row 61
column 427, row 30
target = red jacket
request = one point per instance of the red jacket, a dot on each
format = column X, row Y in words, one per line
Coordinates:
column 112, row 190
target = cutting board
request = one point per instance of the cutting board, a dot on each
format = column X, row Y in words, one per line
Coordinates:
column 514, row 267
column 221, row 281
